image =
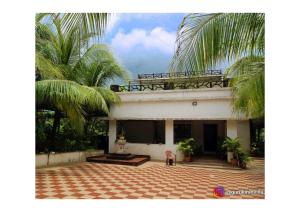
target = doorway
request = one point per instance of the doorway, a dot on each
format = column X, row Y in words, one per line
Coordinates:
column 210, row 137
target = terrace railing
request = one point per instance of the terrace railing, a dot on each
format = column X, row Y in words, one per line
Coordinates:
column 178, row 74
column 160, row 82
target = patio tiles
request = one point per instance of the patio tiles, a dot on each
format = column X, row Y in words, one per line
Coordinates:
column 152, row 180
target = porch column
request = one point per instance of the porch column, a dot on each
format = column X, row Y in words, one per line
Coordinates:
column 240, row 129
column 112, row 134
column 244, row 134
column 169, row 133
column 232, row 130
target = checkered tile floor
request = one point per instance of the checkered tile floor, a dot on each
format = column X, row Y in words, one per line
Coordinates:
column 150, row 181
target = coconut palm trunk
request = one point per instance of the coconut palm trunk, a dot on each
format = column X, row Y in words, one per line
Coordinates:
column 56, row 124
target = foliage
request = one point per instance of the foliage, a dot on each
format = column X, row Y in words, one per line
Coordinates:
column 198, row 150
column 206, row 40
column 248, row 85
column 70, row 74
column 68, row 139
column 186, row 146
column 88, row 23
column 243, row 159
column 258, row 143
column 231, row 144
column 71, row 81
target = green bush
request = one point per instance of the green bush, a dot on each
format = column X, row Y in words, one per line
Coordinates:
column 67, row 139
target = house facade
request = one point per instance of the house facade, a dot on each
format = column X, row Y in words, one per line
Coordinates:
column 158, row 110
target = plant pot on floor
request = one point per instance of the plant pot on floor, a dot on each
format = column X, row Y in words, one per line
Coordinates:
column 243, row 165
column 187, row 158
column 234, row 162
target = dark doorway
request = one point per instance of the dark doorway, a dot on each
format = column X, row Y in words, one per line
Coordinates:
column 210, row 137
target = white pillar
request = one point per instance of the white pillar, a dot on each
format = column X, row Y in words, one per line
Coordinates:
column 169, row 133
column 112, row 134
column 232, row 132
column 232, row 129
column 244, row 134
column 240, row 129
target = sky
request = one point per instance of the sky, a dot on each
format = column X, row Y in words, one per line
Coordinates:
column 143, row 43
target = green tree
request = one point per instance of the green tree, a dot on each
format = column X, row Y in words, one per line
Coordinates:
column 206, row 40
column 71, row 77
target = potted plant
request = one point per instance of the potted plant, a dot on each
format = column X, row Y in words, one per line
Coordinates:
column 243, row 159
column 186, row 146
column 232, row 146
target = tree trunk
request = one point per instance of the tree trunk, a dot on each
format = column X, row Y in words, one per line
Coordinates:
column 55, row 127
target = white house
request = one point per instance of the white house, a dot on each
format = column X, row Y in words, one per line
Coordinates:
column 157, row 110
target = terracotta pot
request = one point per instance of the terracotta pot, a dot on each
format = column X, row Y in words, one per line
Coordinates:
column 243, row 165
column 234, row 162
column 187, row 158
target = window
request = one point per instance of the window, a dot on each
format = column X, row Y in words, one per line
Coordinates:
column 182, row 130
column 142, row 131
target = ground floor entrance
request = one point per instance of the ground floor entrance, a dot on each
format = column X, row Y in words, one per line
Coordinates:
column 210, row 134
column 207, row 134
column 154, row 137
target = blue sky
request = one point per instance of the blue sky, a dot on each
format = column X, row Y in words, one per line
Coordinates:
column 143, row 43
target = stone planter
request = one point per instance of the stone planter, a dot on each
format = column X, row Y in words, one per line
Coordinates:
column 121, row 145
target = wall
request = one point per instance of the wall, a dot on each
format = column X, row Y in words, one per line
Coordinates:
column 42, row 160
column 156, row 151
column 212, row 104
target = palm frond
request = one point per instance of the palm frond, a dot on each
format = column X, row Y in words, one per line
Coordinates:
column 248, row 86
column 98, row 65
column 87, row 22
column 93, row 99
column 204, row 41
column 46, row 69
column 62, row 95
column 249, row 65
column 109, row 96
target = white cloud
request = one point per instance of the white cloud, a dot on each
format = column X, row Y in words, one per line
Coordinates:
column 158, row 38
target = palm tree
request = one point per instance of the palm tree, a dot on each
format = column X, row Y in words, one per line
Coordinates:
column 71, row 77
column 206, row 40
